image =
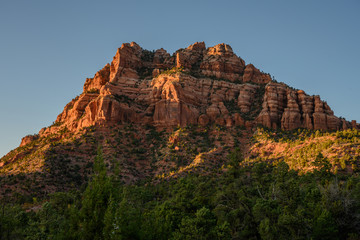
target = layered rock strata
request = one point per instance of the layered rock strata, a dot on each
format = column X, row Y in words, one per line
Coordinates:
column 196, row 85
column 288, row 109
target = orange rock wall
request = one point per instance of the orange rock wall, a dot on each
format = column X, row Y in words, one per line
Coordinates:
column 203, row 82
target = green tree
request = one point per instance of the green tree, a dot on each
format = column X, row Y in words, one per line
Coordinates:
column 323, row 167
column 95, row 201
column 325, row 226
column 202, row 227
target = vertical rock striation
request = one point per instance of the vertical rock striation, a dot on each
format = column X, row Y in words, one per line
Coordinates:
column 195, row 85
column 288, row 109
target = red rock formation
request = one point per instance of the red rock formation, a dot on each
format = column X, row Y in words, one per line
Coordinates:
column 190, row 57
column 246, row 96
column 221, row 62
column 273, row 105
column 203, row 87
column 252, row 74
column 291, row 118
column 101, row 77
column 289, row 109
column 354, row 124
column 28, row 139
column 239, row 121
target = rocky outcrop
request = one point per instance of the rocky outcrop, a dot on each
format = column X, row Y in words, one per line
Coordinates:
column 288, row 109
column 221, row 62
column 246, row 97
column 252, row 74
column 181, row 99
column 127, row 57
column 191, row 57
column 196, row 85
column 28, row 139
column 101, row 77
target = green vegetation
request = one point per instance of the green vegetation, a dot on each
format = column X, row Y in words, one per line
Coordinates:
column 247, row 201
column 173, row 70
column 56, row 124
column 93, row 90
column 122, row 98
column 255, row 107
column 198, row 74
column 190, row 183
column 144, row 72
column 300, row 147
column 147, row 56
column 125, row 99
column 232, row 106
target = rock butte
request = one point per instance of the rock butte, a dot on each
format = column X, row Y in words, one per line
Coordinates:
column 204, row 86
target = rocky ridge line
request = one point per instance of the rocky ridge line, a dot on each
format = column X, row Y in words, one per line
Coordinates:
column 196, row 85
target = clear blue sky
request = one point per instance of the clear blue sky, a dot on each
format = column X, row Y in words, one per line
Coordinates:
column 48, row 48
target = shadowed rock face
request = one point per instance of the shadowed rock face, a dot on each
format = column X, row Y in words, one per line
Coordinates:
column 290, row 109
column 196, row 85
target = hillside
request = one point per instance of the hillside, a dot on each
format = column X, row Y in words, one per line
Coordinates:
column 158, row 115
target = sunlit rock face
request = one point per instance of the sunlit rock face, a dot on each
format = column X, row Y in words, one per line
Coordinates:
column 195, row 85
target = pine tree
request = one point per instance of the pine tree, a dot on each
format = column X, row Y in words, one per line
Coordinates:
column 95, row 200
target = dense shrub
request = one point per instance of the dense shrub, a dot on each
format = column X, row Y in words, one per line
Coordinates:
column 248, row 201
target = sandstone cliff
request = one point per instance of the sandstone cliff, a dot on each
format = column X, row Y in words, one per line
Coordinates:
column 289, row 109
column 196, row 85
